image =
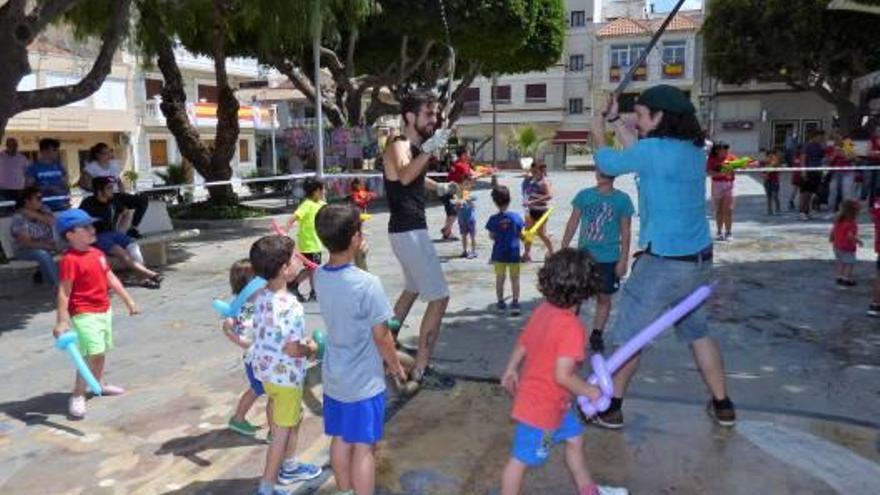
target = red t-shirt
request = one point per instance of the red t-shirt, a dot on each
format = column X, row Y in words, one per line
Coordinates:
column 714, row 166
column 843, row 235
column 875, row 214
column 551, row 333
column 88, row 272
column 460, row 171
column 839, row 158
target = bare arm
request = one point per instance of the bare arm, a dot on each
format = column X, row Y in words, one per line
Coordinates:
column 62, row 318
column 569, row 379
column 401, row 167
column 510, row 378
column 229, row 332
column 116, row 286
column 625, row 135
column 385, row 343
column 571, row 227
column 28, row 242
column 625, row 241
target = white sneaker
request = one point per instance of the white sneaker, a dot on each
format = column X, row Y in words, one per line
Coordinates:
column 613, row 490
column 77, row 406
column 110, row 390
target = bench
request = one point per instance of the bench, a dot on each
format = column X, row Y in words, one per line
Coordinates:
column 155, row 227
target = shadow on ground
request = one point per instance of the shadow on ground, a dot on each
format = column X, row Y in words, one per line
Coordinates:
column 39, row 411
column 191, row 446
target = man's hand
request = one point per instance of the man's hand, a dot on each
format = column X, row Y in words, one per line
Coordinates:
column 621, row 268
column 510, row 381
column 437, row 141
column 399, row 373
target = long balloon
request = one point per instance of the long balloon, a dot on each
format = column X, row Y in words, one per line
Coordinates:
column 311, row 265
column 632, row 70
column 233, row 309
column 529, row 234
column 602, row 369
column 68, row 342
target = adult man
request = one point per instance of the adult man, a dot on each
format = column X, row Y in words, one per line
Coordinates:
column 49, row 176
column 12, row 166
column 406, row 161
column 674, row 232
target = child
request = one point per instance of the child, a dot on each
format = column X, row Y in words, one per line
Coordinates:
column 240, row 332
column 309, row 244
column 552, row 346
column 467, row 220
column 279, row 360
column 845, row 240
column 536, row 198
column 360, row 195
column 796, row 162
column 83, row 302
column 505, row 228
column 355, row 309
column 874, row 308
column 771, row 183
column 604, row 216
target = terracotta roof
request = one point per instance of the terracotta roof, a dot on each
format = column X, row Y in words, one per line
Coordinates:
column 626, row 26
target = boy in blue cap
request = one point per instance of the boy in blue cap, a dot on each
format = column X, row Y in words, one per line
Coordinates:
column 83, row 301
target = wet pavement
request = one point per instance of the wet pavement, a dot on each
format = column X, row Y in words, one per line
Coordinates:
column 803, row 364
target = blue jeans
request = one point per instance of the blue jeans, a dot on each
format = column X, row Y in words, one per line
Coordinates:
column 655, row 285
column 46, row 260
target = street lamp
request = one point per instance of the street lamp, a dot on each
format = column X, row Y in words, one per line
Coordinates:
column 273, row 113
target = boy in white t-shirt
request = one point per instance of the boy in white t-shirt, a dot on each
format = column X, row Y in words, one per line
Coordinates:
column 355, row 309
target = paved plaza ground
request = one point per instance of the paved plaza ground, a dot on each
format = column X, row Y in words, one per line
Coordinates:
column 803, row 365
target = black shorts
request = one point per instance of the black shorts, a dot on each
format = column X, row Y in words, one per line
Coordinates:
column 771, row 187
column 536, row 214
column 608, row 279
column 811, row 182
column 448, row 207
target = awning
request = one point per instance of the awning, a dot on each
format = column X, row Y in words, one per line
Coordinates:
column 571, row 137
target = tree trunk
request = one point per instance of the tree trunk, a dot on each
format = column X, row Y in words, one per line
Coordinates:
column 847, row 116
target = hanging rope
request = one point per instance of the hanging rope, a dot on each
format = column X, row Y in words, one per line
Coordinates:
column 448, row 105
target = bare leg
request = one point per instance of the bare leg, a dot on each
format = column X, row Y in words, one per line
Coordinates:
column 542, row 234
column 707, row 355
column 275, row 452
column 244, row 404
column 430, row 331
column 728, row 214
column 848, row 271
column 603, row 309
column 341, row 461
column 514, row 284
column 577, row 463
column 404, row 304
column 776, row 202
column 625, row 374
column 499, row 284
column 719, row 215
column 131, row 264
column 363, row 469
column 527, row 246
column 96, row 366
column 464, row 239
column 473, row 243
column 512, row 477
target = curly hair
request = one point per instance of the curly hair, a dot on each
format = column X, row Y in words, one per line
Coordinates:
column 568, row 277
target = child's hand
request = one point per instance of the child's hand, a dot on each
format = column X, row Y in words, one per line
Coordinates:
column 593, row 393
column 295, row 349
column 312, row 348
column 510, row 381
column 399, row 373
column 59, row 330
column 228, row 324
column 133, row 309
column 621, row 268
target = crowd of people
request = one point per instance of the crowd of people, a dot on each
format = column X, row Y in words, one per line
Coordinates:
column 543, row 374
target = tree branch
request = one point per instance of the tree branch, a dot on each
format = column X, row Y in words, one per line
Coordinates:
column 305, row 86
column 62, row 95
column 227, row 131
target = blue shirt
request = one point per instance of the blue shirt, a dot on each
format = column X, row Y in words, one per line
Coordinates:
column 506, row 227
column 51, row 180
column 815, row 153
column 601, row 214
column 672, row 192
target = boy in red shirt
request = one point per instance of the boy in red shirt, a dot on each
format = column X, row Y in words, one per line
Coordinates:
column 550, row 350
column 845, row 240
column 83, row 302
column 874, row 309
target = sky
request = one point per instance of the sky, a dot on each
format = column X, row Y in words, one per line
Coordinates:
column 666, row 5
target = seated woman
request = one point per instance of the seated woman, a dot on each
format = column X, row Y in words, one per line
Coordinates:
column 112, row 242
column 32, row 237
column 102, row 164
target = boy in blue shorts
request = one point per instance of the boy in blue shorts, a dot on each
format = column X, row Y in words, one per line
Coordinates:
column 604, row 216
column 550, row 350
column 505, row 228
column 467, row 220
column 355, row 309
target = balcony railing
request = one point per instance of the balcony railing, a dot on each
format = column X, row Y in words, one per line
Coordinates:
column 615, row 73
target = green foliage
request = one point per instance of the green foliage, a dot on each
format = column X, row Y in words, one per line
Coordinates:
column 525, row 141
column 208, row 210
column 131, row 176
column 175, row 175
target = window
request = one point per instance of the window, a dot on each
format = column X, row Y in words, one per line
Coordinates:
column 471, row 107
column 575, row 106
column 501, row 94
column 158, row 152
column 111, row 95
column 578, row 18
column 208, row 94
column 536, row 93
column 64, row 80
column 576, row 63
column 622, row 57
column 673, row 59
column 153, row 88
column 244, row 151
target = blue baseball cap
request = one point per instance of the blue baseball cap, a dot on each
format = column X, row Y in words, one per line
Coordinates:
column 71, row 219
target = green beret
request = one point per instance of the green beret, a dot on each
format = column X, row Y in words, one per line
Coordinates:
column 667, row 98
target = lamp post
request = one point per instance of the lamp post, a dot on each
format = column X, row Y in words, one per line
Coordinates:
column 273, row 113
column 319, row 111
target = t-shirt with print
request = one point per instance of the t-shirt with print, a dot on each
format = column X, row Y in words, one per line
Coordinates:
column 506, row 228
column 51, row 180
column 113, row 170
column 87, row 270
column 278, row 320
column 352, row 302
column 467, row 211
column 601, row 214
column 243, row 326
column 551, row 333
column 307, row 236
column 36, row 231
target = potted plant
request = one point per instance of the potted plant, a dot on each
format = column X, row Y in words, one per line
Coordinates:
column 131, row 176
column 526, row 142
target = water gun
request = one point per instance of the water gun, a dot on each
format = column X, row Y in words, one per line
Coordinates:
column 739, row 163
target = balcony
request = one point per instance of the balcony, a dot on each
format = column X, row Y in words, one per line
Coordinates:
column 616, row 72
column 205, row 115
column 675, row 70
column 470, row 109
column 245, row 67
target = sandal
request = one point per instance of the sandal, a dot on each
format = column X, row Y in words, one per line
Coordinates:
column 150, row 284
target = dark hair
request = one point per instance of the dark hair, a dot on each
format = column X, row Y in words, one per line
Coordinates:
column 99, row 183
column 240, row 274
column 849, row 210
column 682, row 126
column 501, row 196
column 96, row 150
column 269, row 254
column 336, row 225
column 413, row 102
column 355, row 183
column 568, row 277
column 461, row 150
column 25, row 195
column 311, row 185
column 716, row 147
column 49, row 144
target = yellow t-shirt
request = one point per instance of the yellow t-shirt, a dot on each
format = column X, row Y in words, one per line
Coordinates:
column 307, row 236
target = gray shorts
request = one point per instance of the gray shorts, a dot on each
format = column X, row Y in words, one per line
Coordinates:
column 418, row 259
column 655, row 285
column 845, row 257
